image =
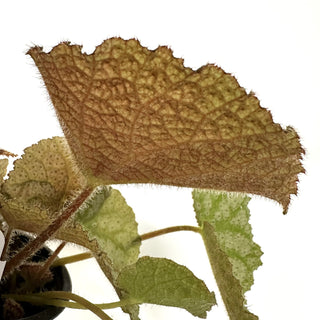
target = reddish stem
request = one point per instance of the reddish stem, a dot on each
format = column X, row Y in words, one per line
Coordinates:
column 45, row 235
column 50, row 260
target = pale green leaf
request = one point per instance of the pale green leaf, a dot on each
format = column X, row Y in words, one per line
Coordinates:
column 224, row 222
column 110, row 222
column 164, row 282
column 108, row 219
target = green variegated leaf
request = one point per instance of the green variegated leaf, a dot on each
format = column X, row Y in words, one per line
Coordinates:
column 225, row 228
column 164, row 282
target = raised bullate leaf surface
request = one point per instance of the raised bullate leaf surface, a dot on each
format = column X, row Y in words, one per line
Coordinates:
column 225, row 228
column 132, row 115
column 164, row 282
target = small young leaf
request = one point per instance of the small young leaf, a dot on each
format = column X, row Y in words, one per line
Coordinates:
column 132, row 115
column 164, row 282
column 224, row 220
column 108, row 219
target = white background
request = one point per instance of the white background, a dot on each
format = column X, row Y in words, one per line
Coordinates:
column 272, row 47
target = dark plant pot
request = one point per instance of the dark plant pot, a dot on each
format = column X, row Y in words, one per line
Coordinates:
column 61, row 282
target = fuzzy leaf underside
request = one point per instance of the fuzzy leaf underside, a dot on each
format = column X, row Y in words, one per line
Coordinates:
column 133, row 115
column 37, row 190
column 225, row 228
column 164, row 282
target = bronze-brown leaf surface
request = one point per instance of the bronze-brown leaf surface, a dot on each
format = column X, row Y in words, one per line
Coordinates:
column 132, row 115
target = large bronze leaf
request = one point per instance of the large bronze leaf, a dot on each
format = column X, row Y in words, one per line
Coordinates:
column 132, row 115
